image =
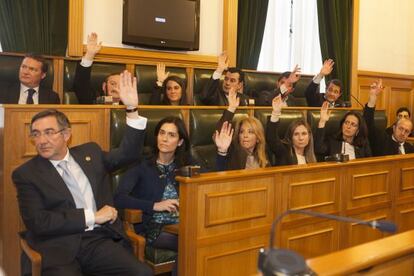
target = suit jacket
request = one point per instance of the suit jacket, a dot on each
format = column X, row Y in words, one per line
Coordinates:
column 283, row 152
column 315, row 98
column 381, row 141
column 326, row 146
column 10, row 94
column 81, row 85
column 266, row 97
column 54, row 225
column 213, row 94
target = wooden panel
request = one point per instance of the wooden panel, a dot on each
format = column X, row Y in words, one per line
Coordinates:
column 404, row 217
column 405, row 180
column 230, row 30
column 75, row 28
column 254, row 205
column 357, row 234
column 312, row 240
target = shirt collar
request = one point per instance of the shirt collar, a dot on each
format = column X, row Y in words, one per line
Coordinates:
column 67, row 157
column 24, row 88
column 395, row 140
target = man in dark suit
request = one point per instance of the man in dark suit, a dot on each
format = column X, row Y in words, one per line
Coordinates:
column 333, row 88
column 383, row 143
column 215, row 94
column 32, row 71
column 285, row 85
column 65, row 198
column 82, row 80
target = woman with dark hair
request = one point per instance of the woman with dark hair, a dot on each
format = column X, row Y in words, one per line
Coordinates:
column 297, row 146
column 351, row 138
column 151, row 185
column 169, row 90
column 247, row 149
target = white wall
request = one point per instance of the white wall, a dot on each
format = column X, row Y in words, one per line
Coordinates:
column 105, row 18
column 386, row 36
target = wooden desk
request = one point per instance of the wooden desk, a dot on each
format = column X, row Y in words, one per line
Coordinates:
column 389, row 256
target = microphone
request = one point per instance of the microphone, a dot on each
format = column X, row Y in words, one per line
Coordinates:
column 288, row 262
column 357, row 101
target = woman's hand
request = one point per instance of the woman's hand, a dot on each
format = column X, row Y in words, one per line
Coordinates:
column 325, row 114
column 234, row 101
column 224, row 137
column 169, row 205
column 161, row 74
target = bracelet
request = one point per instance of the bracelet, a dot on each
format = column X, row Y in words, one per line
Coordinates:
column 131, row 110
column 222, row 153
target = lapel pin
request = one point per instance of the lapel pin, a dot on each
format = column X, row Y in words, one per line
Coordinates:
column 88, row 158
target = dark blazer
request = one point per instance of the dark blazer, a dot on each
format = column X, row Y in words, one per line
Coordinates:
column 81, row 85
column 213, row 94
column 283, row 152
column 315, row 98
column 326, row 146
column 10, row 94
column 140, row 187
column 265, row 98
column 54, row 225
column 382, row 142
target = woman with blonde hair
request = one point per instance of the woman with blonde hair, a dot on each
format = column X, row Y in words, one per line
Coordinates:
column 246, row 149
column 297, row 146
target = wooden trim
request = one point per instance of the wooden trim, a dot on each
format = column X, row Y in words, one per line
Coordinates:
column 75, row 28
column 354, row 52
column 384, row 75
column 230, row 11
column 58, row 76
column 128, row 55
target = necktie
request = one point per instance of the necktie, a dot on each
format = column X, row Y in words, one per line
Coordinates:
column 29, row 100
column 401, row 149
column 73, row 186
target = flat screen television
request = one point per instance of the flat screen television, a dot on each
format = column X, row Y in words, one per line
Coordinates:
column 162, row 24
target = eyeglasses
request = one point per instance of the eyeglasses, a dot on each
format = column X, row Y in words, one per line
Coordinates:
column 352, row 124
column 403, row 130
column 48, row 133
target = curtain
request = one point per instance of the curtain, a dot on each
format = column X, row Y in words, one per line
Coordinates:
column 291, row 37
column 335, row 35
column 38, row 26
column 251, row 23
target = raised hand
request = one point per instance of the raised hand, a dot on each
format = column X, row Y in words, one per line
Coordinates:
column 161, row 74
column 234, row 101
column 295, row 75
column 327, row 67
column 277, row 104
column 325, row 114
column 223, row 62
column 374, row 90
column 92, row 46
column 169, row 205
column 128, row 89
column 224, row 137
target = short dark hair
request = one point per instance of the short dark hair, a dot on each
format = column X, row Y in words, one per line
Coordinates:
column 336, row 82
column 285, row 75
column 402, row 109
column 39, row 58
column 61, row 118
column 181, row 83
column 236, row 70
column 182, row 153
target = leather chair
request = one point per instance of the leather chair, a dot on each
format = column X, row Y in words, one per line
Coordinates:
column 160, row 260
column 201, row 76
column 147, row 75
column 100, row 71
column 10, row 66
column 287, row 117
column 202, row 127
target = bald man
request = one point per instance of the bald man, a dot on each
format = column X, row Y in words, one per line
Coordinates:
column 383, row 143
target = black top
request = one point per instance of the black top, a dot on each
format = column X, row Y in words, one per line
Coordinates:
column 213, row 94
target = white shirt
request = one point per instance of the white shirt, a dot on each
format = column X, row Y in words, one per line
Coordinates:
column 301, row 159
column 348, row 149
column 400, row 147
column 24, row 93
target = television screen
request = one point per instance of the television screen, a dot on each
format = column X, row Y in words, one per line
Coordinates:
column 161, row 24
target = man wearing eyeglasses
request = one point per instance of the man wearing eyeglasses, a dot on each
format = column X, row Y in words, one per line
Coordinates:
column 402, row 112
column 383, row 143
column 65, row 197
column 333, row 88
